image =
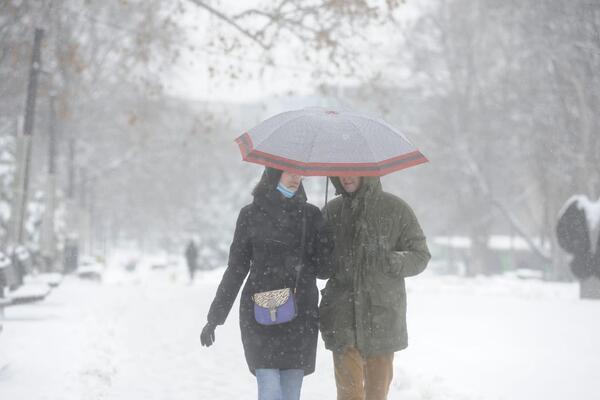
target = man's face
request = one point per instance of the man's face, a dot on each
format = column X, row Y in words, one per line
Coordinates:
column 351, row 183
column 290, row 181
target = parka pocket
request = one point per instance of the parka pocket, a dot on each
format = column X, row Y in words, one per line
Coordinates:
column 335, row 311
column 380, row 316
column 384, row 308
column 380, row 322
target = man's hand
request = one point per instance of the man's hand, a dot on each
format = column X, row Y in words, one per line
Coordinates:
column 393, row 264
column 207, row 337
column 392, row 261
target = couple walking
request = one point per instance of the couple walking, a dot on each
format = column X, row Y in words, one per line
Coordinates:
column 365, row 244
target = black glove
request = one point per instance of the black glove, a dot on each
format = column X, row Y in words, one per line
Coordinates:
column 207, row 337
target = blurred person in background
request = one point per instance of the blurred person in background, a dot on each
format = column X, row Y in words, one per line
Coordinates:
column 191, row 257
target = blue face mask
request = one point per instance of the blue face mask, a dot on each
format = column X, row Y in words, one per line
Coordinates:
column 287, row 193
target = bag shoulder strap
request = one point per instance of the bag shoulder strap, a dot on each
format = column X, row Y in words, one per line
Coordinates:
column 302, row 248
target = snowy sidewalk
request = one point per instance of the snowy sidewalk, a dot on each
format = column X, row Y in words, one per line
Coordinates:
column 138, row 339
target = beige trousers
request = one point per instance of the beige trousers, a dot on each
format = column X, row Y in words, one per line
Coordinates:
column 360, row 378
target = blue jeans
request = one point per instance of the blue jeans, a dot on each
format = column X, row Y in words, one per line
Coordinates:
column 279, row 384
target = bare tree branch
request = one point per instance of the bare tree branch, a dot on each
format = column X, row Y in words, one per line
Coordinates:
column 230, row 22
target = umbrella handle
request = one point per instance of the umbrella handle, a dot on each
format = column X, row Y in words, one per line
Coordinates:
column 326, row 193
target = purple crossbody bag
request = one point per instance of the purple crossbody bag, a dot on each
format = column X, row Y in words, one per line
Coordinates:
column 279, row 306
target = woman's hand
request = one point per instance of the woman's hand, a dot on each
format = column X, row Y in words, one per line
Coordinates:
column 207, row 337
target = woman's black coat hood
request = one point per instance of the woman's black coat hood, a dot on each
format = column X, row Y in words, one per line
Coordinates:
column 268, row 183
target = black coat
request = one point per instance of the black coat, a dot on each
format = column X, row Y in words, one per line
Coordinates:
column 573, row 236
column 266, row 248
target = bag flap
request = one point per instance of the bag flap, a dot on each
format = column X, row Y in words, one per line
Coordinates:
column 272, row 298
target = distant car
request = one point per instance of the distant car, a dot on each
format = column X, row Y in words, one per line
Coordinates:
column 90, row 268
column 131, row 265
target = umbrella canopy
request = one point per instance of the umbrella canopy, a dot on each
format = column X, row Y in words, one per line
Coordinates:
column 324, row 142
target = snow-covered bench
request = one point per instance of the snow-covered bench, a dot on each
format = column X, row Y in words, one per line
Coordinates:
column 52, row 279
column 28, row 292
column 23, row 295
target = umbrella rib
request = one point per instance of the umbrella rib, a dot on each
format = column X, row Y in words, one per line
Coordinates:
column 312, row 146
column 393, row 132
column 278, row 127
column 366, row 141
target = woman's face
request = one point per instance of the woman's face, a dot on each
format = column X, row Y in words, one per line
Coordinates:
column 290, row 181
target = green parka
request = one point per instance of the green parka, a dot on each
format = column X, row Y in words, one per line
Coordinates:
column 378, row 243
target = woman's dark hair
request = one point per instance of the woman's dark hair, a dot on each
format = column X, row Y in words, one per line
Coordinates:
column 268, row 181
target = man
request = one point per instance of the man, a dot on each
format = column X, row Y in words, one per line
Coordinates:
column 378, row 243
column 191, row 256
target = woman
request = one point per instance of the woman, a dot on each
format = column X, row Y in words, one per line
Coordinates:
column 268, row 245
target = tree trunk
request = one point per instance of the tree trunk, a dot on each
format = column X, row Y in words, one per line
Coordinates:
column 589, row 288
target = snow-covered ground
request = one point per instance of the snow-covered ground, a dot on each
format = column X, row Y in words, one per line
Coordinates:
column 135, row 336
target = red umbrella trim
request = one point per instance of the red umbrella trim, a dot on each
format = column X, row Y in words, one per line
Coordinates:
column 327, row 169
